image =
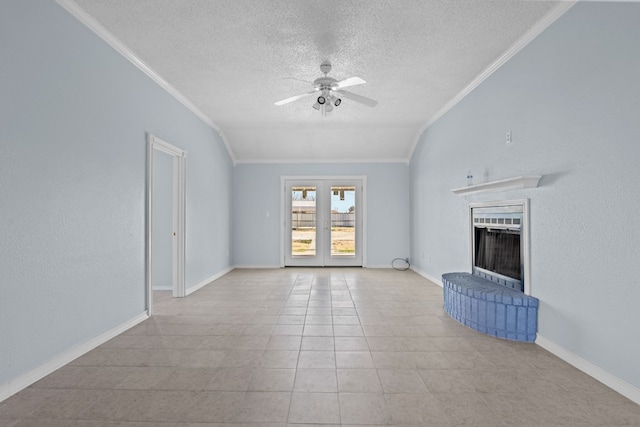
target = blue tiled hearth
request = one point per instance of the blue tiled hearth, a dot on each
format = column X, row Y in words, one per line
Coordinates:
column 490, row 308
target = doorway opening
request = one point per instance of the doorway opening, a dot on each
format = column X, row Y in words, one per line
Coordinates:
column 323, row 221
column 166, row 208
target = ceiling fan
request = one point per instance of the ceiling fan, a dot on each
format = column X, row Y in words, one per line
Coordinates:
column 330, row 91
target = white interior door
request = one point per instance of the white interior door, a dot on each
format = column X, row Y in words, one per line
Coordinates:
column 323, row 223
column 176, row 164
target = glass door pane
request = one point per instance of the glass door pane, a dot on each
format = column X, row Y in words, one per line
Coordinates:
column 303, row 221
column 322, row 222
column 343, row 222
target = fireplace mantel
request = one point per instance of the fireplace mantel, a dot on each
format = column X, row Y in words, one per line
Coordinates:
column 519, row 182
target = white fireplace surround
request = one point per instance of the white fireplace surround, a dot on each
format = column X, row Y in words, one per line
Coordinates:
column 524, row 235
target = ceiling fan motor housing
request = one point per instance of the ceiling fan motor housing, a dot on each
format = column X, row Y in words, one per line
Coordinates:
column 325, row 67
column 323, row 83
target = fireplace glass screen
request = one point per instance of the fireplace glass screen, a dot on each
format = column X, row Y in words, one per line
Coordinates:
column 498, row 250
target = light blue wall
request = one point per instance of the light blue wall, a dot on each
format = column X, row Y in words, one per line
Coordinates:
column 571, row 99
column 73, row 119
column 256, row 190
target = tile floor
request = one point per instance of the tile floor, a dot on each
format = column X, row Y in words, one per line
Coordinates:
column 293, row 347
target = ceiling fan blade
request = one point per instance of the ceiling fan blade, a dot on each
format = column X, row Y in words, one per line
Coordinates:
column 300, row 80
column 351, row 81
column 295, row 98
column 358, row 98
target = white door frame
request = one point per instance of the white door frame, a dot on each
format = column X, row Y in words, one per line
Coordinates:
column 179, row 215
column 284, row 200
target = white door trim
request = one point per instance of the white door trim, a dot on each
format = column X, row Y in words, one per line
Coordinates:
column 179, row 215
column 284, row 201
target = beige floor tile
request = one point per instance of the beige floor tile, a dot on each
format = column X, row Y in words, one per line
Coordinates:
column 279, row 359
column 351, row 344
column 264, row 407
column 364, row 408
column 316, row 380
column 170, row 406
column 294, row 311
column 241, row 359
column 258, row 330
column 347, row 331
column 116, row 405
column 394, row 359
column 81, row 377
column 320, row 408
column 354, row 360
column 145, row 378
column 272, row 380
column 216, row 407
column 58, row 404
column 468, row 360
column 39, row 423
column 385, row 344
column 401, row 381
column 319, row 303
column 318, row 320
column 416, row 410
column 345, row 320
column 408, row 331
column 317, row 360
column 430, row 360
column 359, row 381
column 342, row 304
column 474, row 411
column 344, row 311
column 317, row 343
column 315, row 425
column 318, row 331
column 319, row 311
column 230, row 379
column 291, row 320
column 284, row 342
column 455, row 344
column 254, row 342
column 194, row 362
column 377, row 330
column 288, row 330
column 446, row 381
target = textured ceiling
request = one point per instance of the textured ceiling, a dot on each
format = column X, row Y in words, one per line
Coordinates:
column 229, row 57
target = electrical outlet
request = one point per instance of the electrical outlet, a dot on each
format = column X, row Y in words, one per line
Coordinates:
column 508, row 138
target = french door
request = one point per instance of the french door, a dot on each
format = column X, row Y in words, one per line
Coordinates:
column 323, row 222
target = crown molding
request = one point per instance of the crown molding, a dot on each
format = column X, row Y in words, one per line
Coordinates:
column 88, row 21
column 320, row 161
column 552, row 16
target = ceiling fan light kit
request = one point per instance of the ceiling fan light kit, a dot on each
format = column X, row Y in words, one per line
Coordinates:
column 331, row 91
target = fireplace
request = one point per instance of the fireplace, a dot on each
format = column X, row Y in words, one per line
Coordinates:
column 495, row 297
column 498, row 243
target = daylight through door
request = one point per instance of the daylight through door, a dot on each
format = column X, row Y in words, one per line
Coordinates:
column 323, row 222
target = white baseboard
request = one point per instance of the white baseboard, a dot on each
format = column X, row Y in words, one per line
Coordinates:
column 206, row 281
column 377, row 266
column 162, row 288
column 25, row 380
column 257, row 267
column 629, row 391
column 427, row 276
